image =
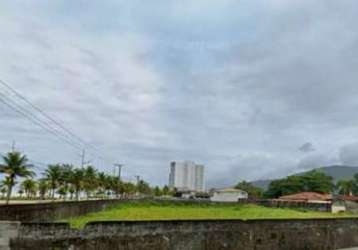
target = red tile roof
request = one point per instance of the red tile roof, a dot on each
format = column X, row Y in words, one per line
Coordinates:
column 306, row 196
column 347, row 198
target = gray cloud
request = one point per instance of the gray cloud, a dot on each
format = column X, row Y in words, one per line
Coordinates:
column 145, row 84
column 306, row 147
column 349, row 154
column 316, row 160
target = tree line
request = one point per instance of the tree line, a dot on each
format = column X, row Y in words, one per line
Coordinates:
column 312, row 181
column 64, row 181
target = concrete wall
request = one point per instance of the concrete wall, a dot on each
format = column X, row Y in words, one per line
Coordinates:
column 52, row 211
column 8, row 230
column 318, row 234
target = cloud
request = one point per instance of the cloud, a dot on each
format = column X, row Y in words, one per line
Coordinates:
column 349, row 154
column 306, row 147
column 236, row 85
column 316, row 160
column 250, row 167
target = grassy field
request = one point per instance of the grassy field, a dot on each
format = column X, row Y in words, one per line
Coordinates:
column 182, row 211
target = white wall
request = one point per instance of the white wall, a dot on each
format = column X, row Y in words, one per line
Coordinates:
column 228, row 197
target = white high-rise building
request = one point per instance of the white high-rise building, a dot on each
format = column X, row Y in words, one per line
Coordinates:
column 186, row 176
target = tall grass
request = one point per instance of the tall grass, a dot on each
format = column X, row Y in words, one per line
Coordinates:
column 166, row 210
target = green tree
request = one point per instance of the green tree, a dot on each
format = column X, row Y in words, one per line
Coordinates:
column 90, row 181
column 143, row 187
column 253, row 191
column 157, row 191
column 66, row 172
column 101, row 183
column 115, row 185
column 53, row 174
column 71, row 190
column 3, row 188
column 15, row 165
column 355, row 186
column 29, row 186
column 21, row 192
column 76, row 180
column 312, row 181
column 317, row 181
column 129, row 188
column 346, row 187
column 166, row 190
column 43, row 188
column 65, row 185
column 62, row 191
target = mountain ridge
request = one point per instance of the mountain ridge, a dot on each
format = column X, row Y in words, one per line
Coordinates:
column 338, row 172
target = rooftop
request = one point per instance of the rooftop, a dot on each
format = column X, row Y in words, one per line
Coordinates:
column 306, row 196
column 229, row 190
column 347, row 198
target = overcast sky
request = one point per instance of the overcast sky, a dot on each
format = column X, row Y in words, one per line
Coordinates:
column 251, row 89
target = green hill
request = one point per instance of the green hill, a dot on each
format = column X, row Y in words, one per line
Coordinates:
column 337, row 172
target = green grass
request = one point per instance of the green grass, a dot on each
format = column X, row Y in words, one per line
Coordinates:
column 182, row 211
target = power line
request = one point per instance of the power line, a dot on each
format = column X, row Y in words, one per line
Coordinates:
column 59, row 130
column 34, row 119
column 14, row 105
column 45, row 114
column 30, row 115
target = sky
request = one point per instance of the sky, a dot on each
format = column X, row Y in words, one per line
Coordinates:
column 251, row 89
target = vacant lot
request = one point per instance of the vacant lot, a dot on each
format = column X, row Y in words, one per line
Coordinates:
column 182, row 211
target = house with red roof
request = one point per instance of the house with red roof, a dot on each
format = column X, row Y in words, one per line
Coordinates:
column 312, row 197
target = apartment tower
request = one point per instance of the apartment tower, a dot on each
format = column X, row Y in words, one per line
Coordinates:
column 186, row 176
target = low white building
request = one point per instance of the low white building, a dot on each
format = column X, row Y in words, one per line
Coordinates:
column 228, row 195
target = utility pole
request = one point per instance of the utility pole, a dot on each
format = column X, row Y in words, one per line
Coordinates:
column 83, row 162
column 119, row 170
column 83, row 158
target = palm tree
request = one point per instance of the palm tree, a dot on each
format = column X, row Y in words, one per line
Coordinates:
column 29, row 186
column 166, row 190
column 76, row 180
column 90, row 180
column 15, row 165
column 115, row 185
column 3, row 191
column 53, row 175
column 3, row 188
column 345, row 187
column 157, row 191
column 71, row 190
column 129, row 188
column 101, row 182
column 62, row 191
column 20, row 192
column 65, row 186
column 43, row 188
column 143, row 187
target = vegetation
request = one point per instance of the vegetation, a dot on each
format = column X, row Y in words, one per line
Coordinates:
column 181, row 211
column 29, row 187
column 15, row 165
column 313, row 181
column 65, row 181
column 347, row 187
column 253, row 192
